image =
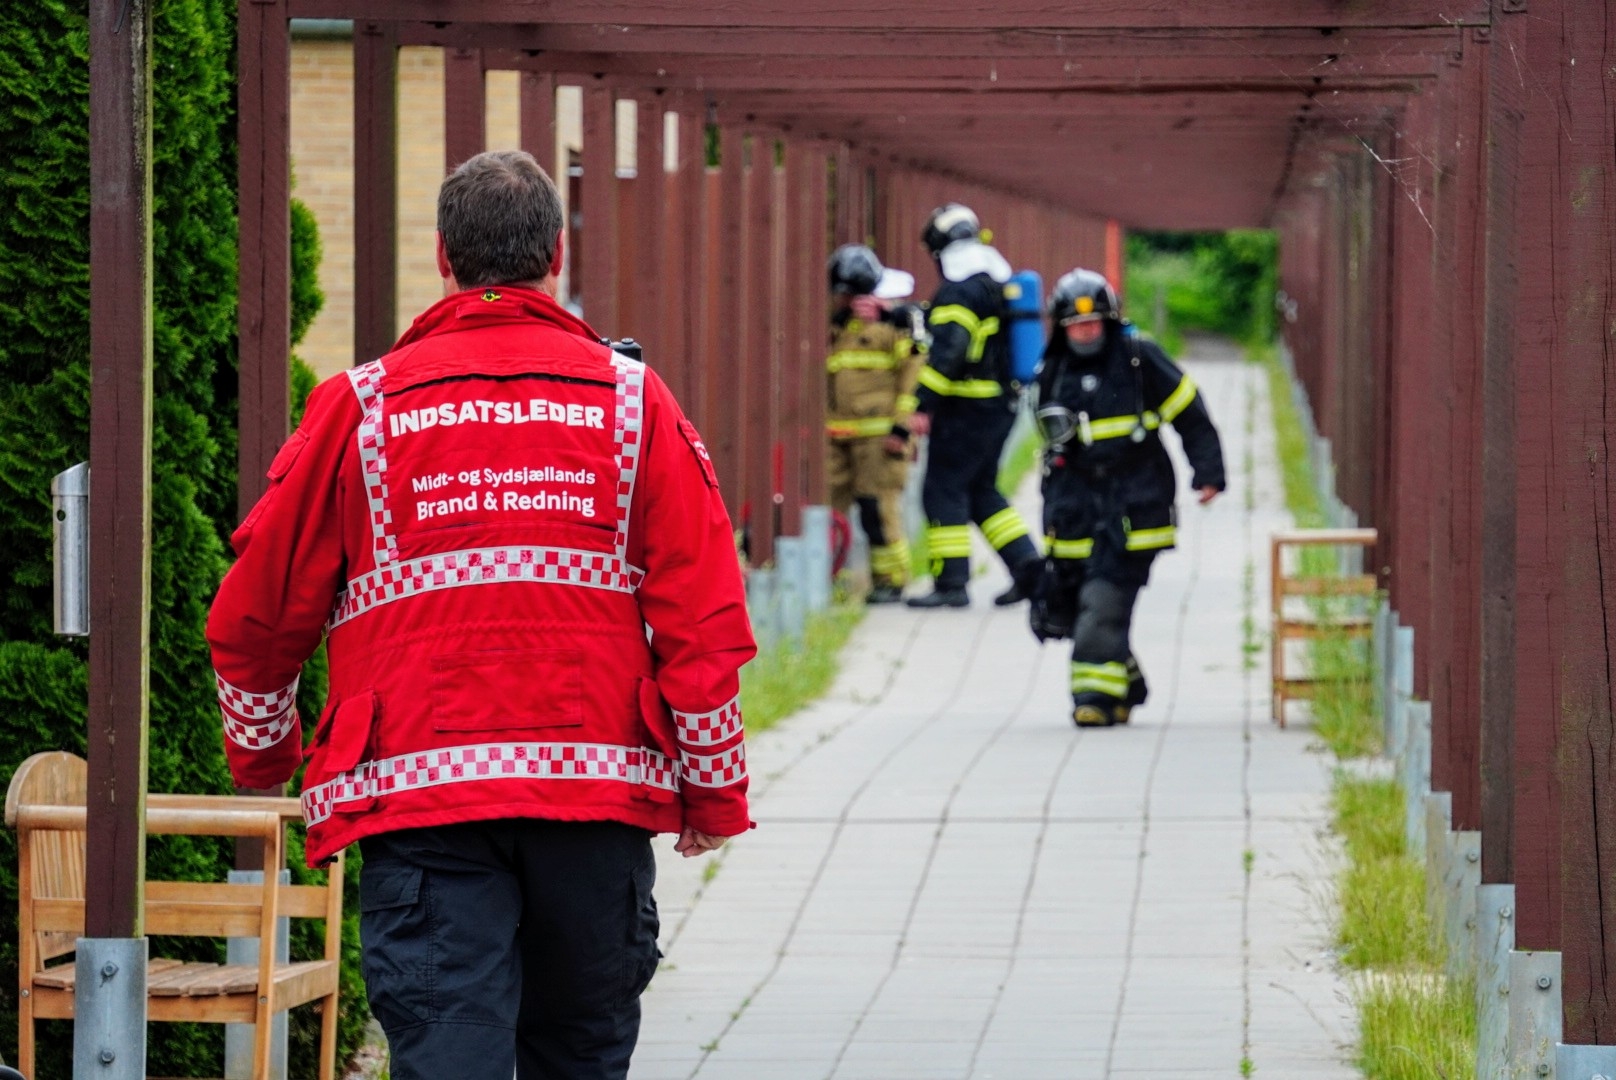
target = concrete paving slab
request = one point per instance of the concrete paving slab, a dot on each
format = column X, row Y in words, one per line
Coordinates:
column 949, row 881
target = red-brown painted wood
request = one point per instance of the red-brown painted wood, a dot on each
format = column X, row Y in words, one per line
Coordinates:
column 595, row 273
column 783, row 14
column 120, row 462
column 727, row 389
column 375, row 190
column 759, row 365
column 465, row 106
column 536, row 104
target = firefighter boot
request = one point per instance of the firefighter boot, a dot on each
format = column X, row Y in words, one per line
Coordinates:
column 1024, row 582
column 940, row 598
column 1092, row 716
column 884, row 593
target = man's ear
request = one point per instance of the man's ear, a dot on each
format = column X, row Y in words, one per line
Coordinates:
column 445, row 271
column 560, row 253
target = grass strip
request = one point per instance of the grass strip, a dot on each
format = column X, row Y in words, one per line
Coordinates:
column 1414, row 1022
column 779, row 682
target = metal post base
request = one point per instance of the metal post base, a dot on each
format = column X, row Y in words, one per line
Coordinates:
column 1416, row 777
column 1460, row 883
column 1534, row 1013
column 1585, row 1062
column 763, row 604
column 238, row 1038
column 791, row 564
column 1438, row 855
column 1495, row 937
column 109, row 1027
column 816, row 541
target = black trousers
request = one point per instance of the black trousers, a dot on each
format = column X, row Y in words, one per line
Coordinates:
column 962, row 486
column 512, row 947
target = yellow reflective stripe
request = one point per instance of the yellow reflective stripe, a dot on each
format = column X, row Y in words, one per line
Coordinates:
column 863, row 427
column 979, row 329
column 979, row 337
column 934, row 380
column 1069, row 549
column 1003, row 527
column 958, row 314
column 1120, row 427
column 1178, row 400
column 949, row 541
column 1151, row 539
column 906, row 404
column 860, row 360
column 1110, row 678
column 891, row 561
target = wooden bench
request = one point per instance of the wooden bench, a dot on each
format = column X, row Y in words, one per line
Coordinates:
column 45, row 804
column 1289, row 579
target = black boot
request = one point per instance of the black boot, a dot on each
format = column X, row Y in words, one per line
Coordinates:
column 884, row 594
column 938, row 598
column 1024, row 582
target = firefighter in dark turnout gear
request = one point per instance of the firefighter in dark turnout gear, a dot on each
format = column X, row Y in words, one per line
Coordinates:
column 1104, row 392
column 968, row 403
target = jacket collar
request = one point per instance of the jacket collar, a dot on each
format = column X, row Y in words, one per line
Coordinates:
column 475, row 309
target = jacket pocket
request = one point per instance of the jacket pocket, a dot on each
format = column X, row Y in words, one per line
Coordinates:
column 507, row 691
column 349, row 740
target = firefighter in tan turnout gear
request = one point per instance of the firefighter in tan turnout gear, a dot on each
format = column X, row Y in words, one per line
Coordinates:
column 871, row 374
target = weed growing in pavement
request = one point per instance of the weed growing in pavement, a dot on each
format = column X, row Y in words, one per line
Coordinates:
column 781, row 681
column 1246, row 1067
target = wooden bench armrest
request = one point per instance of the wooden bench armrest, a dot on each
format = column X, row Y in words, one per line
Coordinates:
column 287, row 807
column 167, row 820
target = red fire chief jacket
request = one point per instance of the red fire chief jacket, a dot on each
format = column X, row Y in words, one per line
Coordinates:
column 513, row 544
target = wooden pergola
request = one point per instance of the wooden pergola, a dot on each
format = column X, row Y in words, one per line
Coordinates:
column 1441, row 176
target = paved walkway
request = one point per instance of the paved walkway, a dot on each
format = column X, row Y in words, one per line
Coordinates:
column 949, row 881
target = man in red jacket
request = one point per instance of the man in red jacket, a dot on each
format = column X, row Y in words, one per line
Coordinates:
column 513, row 545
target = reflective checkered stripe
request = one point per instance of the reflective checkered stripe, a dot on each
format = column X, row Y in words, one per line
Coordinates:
column 626, row 432
column 715, row 770
column 709, row 728
column 1109, row 678
column 366, row 380
column 485, row 566
column 257, row 721
column 490, row 762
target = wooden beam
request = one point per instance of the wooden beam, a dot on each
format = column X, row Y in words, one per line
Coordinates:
column 1012, row 14
column 596, row 275
column 726, row 388
column 465, row 107
column 644, row 269
column 816, row 253
column 759, row 365
column 375, row 190
column 120, row 461
column 537, row 119
column 695, row 271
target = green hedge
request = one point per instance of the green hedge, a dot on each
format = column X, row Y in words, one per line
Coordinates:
column 44, row 410
column 1221, row 282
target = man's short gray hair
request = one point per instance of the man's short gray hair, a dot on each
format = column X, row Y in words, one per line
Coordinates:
column 499, row 214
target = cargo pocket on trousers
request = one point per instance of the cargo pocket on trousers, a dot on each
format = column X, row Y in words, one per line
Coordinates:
column 398, row 954
column 642, row 956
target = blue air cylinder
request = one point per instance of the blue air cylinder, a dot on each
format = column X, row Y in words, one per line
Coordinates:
column 1024, row 307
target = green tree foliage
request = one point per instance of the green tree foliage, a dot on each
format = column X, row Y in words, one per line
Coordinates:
column 44, row 428
column 1220, row 282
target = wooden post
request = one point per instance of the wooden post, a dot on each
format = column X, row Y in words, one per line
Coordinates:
column 120, row 462
column 465, row 106
column 695, row 294
column 727, row 391
column 757, row 360
column 796, row 318
column 536, row 120
column 650, row 232
column 1564, row 338
column 1504, row 789
column 264, row 227
column 817, row 298
column 264, row 265
column 596, row 272
column 375, row 209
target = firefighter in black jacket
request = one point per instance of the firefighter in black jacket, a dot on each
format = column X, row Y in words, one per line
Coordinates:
column 966, row 402
column 1103, row 394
